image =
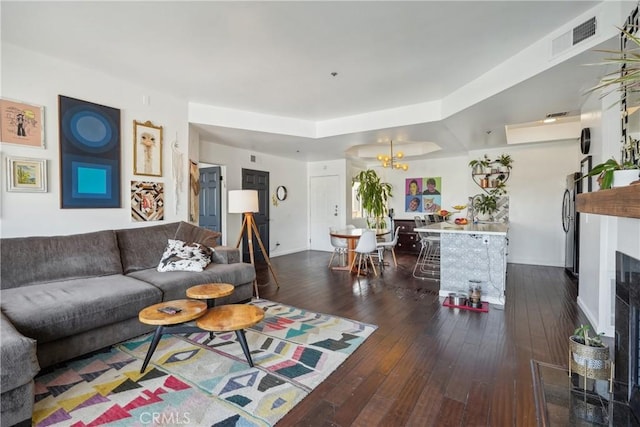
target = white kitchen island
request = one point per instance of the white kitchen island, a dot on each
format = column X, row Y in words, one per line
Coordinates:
column 472, row 252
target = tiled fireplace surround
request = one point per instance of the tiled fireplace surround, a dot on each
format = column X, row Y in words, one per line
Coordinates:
column 627, row 333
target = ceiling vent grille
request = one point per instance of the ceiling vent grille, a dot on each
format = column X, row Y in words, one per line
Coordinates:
column 584, row 31
column 572, row 37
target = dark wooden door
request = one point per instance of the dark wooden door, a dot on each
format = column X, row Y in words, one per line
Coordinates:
column 209, row 198
column 257, row 180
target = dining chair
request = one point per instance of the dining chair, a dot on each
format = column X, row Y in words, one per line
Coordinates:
column 366, row 245
column 340, row 247
column 382, row 246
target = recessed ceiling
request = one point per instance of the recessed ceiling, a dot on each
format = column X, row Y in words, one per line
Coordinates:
column 276, row 58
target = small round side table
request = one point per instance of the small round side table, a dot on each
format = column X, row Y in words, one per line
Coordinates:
column 210, row 292
column 169, row 323
column 232, row 317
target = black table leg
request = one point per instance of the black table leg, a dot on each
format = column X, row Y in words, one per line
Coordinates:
column 154, row 343
column 243, row 343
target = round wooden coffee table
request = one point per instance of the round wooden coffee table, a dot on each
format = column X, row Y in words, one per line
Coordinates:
column 232, row 317
column 188, row 310
column 210, row 292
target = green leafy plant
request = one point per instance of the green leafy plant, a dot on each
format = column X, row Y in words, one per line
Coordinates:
column 485, row 204
column 483, row 162
column 505, row 160
column 605, row 171
column 500, row 189
column 581, row 335
column 373, row 193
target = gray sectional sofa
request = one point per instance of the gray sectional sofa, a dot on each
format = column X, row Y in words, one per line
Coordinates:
column 65, row 296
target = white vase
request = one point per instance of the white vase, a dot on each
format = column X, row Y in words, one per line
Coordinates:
column 483, row 216
column 622, row 178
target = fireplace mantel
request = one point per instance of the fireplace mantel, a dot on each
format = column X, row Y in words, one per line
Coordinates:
column 622, row 201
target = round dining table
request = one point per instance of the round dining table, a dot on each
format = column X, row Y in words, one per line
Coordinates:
column 352, row 235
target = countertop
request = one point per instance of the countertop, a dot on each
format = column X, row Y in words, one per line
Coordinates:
column 498, row 228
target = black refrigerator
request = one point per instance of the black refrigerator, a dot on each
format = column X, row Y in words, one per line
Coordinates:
column 571, row 224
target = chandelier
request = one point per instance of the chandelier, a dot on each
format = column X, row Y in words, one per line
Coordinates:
column 391, row 161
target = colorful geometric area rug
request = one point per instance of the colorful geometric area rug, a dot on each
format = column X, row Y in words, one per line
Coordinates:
column 197, row 380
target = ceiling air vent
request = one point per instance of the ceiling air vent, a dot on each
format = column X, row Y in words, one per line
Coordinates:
column 584, row 31
column 572, row 37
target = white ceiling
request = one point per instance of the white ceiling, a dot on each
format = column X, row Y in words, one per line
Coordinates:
column 276, row 58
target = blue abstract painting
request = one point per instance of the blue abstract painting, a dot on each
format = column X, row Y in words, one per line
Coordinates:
column 89, row 154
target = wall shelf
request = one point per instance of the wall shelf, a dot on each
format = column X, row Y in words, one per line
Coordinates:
column 622, row 201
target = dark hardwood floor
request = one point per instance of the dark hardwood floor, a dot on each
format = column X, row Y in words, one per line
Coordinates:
column 428, row 365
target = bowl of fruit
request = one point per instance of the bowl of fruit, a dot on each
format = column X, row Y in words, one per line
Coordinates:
column 444, row 213
column 461, row 221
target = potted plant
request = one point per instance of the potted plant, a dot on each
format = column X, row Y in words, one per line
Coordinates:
column 505, row 161
column 482, row 165
column 484, row 205
column 373, row 194
column 611, row 173
column 630, row 58
column 587, row 351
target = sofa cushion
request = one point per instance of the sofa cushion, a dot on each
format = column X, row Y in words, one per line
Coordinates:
column 19, row 360
column 219, row 257
column 17, row 406
column 181, row 256
column 226, row 255
column 142, row 248
column 174, row 284
column 32, row 260
column 55, row 310
column 192, row 233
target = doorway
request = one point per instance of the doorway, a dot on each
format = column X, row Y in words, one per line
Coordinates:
column 325, row 210
column 209, row 199
column 257, row 180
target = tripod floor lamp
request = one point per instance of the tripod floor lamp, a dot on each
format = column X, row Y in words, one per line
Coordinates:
column 246, row 202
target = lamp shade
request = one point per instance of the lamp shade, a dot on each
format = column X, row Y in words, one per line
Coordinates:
column 241, row 201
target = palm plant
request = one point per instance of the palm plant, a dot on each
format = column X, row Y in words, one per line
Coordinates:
column 373, row 193
column 629, row 60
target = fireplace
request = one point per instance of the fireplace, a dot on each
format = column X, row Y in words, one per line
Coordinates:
column 627, row 339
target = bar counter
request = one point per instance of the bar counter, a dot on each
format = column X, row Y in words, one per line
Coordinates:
column 475, row 252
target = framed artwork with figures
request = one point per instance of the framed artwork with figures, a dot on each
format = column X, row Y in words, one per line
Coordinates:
column 21, row 123
column 423, row 194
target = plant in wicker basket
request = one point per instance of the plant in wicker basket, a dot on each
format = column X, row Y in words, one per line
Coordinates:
column 588, row 355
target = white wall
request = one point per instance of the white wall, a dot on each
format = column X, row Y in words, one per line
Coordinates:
column 602, row 235
column 287, row 221
column 535, row 188
column 38, row 79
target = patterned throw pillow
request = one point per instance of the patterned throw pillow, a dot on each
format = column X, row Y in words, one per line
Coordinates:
column 181, row 256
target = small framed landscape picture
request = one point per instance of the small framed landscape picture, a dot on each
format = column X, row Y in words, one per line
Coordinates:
column 21, row 123
column 26, row 175
column 147, row 149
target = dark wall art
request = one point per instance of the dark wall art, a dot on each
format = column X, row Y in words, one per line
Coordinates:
column 89, row 154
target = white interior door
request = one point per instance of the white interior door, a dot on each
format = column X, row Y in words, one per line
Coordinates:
column 326, row 208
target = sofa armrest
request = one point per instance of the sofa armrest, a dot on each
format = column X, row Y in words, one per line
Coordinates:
column 227, row 254
column 17, row 355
